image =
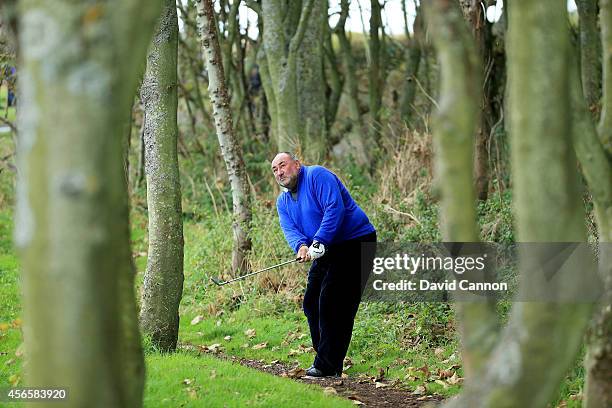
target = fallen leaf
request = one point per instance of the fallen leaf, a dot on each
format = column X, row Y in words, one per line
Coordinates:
column 197, row 320
column 381, row 385
column 14, row 379
column 218, row 323
column 455, row 379
column 357, row 402
column 424, row 370
column 227, row 338
column 330, row 391
column 296, row 372
column 443, row 374
column 442, row 383
column 438, row 351
column 10, row 361
column 187, row 381
column 260, row 346
column 4, row 326
column 193, row 394
column 338, row 383
column 420, row 390
column 213, row 374
column 274, row 362
column 250, row 333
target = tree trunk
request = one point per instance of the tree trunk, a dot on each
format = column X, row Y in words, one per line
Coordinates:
column 542, row 337
column 375, row 70
column 163, row 281
column 481, row 30
column 454, row 135
column 230, row 148
column 282, row 43
column 311, row 85
column 413, row 60
column 590, row 53
column 350, row 67
column 605, row 123
column 597, row 171
column 80, row 66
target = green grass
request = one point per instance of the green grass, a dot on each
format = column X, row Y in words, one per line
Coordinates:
column 187, row 380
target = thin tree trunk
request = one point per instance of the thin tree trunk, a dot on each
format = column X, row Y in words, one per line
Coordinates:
column 605, row 123
column 230, row 148
column 350, row 66
column 454, row 140
column 72, row 231
column 375, row 70
column 163, row 280
column 413, row 60
column 590, row 53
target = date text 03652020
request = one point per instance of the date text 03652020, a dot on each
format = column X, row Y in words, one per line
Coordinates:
column 32, row 394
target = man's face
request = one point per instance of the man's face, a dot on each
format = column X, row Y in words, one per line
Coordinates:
column 285, row 170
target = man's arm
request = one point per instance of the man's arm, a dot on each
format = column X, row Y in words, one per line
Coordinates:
column 328, row 193
column 294, row 237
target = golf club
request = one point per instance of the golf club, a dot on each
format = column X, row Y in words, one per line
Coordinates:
column 219, row 283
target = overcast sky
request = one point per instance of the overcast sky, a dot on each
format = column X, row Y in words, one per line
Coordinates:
column 359, row 15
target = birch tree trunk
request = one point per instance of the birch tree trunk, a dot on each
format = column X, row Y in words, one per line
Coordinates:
column 80, row 66
column 163, row 280
column 542, row 338
column 454, row 130
column 230, row 148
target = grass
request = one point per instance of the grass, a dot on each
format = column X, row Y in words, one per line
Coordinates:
column 185, row 380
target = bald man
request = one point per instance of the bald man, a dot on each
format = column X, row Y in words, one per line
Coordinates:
column 322, row 223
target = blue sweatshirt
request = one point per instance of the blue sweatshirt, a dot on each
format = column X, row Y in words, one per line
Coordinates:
column 323, row 210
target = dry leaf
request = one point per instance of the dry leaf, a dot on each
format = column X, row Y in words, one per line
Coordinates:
column 227, row 338
column 357, row 402
column 260, row 346
column 187, row 381
column 197, row 320
column 250, row 333
column 442, row 383
column 213, row 374
column 438, row 351
column 381, row 385
column 420, row 390
column 296, row 372
column 455, row 379
column 330, row 391
column 445, row 374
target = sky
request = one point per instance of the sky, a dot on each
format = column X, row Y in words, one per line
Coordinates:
column 359, row 15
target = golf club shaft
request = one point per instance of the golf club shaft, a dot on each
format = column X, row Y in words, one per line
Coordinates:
column 260, row 271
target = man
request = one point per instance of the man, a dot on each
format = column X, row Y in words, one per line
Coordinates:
column 322, row 223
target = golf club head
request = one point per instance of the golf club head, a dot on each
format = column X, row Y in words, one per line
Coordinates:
column 216, row 281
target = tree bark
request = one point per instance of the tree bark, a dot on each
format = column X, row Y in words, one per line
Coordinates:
column 282, row 42
column 375, row 69
column 481, row 30
column 413, row 60
column 597, row 171
column 72, row 229
column 605, row 123
column 311, row 84
column 352, row 82
column 454, row 128
column 163, row 280
column 230, row 148
column 590, row 53
column 542, row 338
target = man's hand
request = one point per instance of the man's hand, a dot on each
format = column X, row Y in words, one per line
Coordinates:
column 316, row 250
column 303, row 254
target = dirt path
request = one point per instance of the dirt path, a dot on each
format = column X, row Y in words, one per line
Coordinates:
column 364, row 390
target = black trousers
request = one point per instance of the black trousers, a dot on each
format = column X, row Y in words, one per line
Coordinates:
column 335, row 284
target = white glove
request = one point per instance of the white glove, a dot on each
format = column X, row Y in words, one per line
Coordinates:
column 316, row 250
